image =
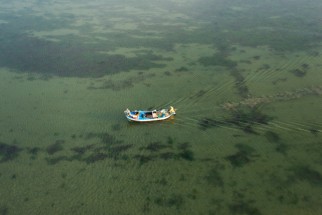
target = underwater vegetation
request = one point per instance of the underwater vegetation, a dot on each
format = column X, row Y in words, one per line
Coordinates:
column 174, row 200
column 306, row 173
column 209, row 123
column 243, row 156
column 120, row 84
column 182, row 69
column 244, row 118
column 8, row 152
column 95, row 157
column 214, row 178
column 298, row 72
column 33, row 152
column 55, row 147
column 248, row 116
column 81, row 54
column 108, row 147
column 66, row 58
column 166, row 151
column 3, row 210
column 243, row 208
column 272, row 136
column 240, row 85
column 156, row 146
column 217, row 59
column 105, row 138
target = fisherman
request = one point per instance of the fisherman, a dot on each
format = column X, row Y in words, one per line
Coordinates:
column 171, row 110
column 135, row 115
column 154, row 114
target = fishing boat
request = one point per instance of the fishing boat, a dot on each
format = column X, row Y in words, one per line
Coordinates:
column 149, row 115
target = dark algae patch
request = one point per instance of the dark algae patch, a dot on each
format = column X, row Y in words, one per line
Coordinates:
column 8, row 152
column 174, row 200
column 308, row 174
column 249, row 116
column 242, row 157
column 243, row 208
column 210, row 123
column 244, row 118
column 55, row 147
column 214, row 177
column 217, row 60
column 4, row 210
column 298, row 72
column 166, row 151
column 107, row 147
column 95, row 157
column 156, row 146
column 64, row 58
column 272, row 136
column 275, row 139
column 34, row 151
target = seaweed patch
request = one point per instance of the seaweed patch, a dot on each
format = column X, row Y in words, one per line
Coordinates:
column 272, row 136
column 214, row 178
column 8, row 152
column 242, row 157
column 298, row 72
column 155, row 146
column 217, row 59
column 306, row 173
column 242, row 118
column 117, row 85
column 108, row 147
column 158, row 150
column 55, row 147
column 175, row 200
column 4, row 210
column 241, row 207
column 105, row 138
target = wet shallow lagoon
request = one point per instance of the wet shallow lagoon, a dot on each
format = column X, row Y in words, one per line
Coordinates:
column 245, row 78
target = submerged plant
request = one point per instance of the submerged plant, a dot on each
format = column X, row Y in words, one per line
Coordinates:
column 298, row 72
column 272, row 136
column 249, row 116
column 306, row 173
column 210, row 123
column 242, row 156
column 173, row 201
column 217, row 60
column 144, row 158
column 187, row 155
column 214, row 178
column 241, row 207
column 94, row 157
column 55, row 147
column 156, row 146
column 8, row 152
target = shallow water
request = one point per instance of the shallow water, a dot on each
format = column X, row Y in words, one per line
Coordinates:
column 245, row 79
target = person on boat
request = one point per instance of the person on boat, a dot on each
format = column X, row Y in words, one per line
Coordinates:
column 154, row 114
column 127, row 112
column 135, row 115
column 171, row 110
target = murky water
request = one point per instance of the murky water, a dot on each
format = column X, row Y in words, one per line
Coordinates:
column 244, row 76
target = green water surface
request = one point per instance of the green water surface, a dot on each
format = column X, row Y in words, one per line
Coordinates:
column 244, row 76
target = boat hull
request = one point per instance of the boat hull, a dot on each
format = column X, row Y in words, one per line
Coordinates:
column 148, row 116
